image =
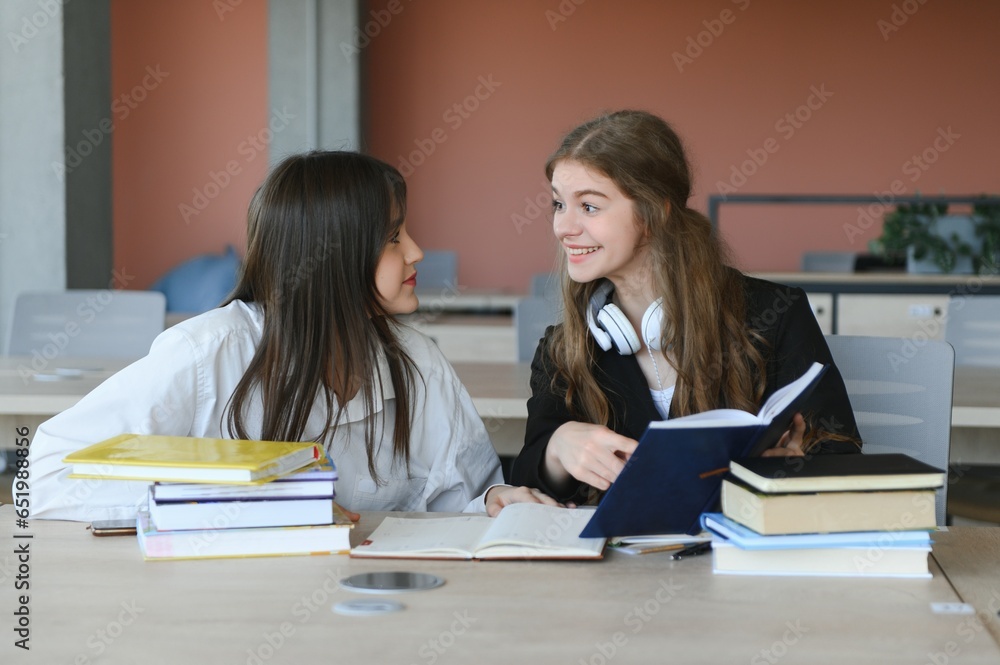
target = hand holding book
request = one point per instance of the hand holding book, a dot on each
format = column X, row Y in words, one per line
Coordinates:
column 790, row 444
column 679, row 463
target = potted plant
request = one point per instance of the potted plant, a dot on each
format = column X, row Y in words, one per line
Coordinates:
column 933, row 241
column 988, row 231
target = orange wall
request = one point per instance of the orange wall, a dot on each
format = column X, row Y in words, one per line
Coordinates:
column 484, row 179
column 890, row 97
column 186, row 124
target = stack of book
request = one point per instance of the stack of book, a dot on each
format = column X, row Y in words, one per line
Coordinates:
column 851, row 515
column 223, row 497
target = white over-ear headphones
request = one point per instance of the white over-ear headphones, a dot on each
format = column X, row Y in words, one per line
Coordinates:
column 610, row 327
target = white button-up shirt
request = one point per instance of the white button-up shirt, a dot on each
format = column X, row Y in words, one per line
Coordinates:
column 184, row 385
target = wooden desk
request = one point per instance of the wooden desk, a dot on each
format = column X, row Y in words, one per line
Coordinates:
column 95, row 596
column 470, row 337
column 500, row 392
column 971, row 558
column 463, row 299
column 977, row 397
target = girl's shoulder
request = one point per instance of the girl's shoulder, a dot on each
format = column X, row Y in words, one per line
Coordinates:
column 762, row 294
column 238, row 322
column 424, row 352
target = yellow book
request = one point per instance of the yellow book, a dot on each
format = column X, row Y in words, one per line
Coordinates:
column 190, row 459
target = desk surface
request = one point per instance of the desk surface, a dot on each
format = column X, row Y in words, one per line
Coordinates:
column 95, row 596
column 464, row 299
column 499, row 390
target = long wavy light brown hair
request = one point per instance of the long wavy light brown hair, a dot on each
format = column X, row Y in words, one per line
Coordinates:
column 704, row 324
column 316, row 231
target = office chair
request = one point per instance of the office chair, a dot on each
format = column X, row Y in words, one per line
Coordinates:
column 829, row 261
column 902, row 402
column 545, row 285
column 438, row 270
column 201, row 283
column 973, row 328
column 531, row 317
column 86, row 323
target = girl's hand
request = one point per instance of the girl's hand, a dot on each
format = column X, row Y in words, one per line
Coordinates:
column 354, row 517
column 790, row 444
column 503, row 495
column 592, row 454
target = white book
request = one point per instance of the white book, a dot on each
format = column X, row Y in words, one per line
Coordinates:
column 822, row 561
column 157, row 544
column 315, row 483
column 176, row 516
column 520, row 531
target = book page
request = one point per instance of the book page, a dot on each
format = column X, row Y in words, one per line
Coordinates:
column 784, row 396
column 540, row 529
column 447, row 537
column 713, row 418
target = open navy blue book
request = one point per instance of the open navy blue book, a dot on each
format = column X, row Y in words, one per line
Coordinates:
column 676, row 471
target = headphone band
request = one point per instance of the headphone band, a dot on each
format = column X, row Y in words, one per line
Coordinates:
column 611, row 328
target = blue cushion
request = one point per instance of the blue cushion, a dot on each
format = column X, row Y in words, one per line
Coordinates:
column 201, row 283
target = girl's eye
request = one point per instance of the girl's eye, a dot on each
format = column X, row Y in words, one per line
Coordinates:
column 394, row 239
column 557, row 205
column 589, row 208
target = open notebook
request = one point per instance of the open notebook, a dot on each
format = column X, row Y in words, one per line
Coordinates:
column 521, row 531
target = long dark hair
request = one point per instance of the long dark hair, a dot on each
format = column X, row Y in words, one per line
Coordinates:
column 704, row 304
column 316, row 230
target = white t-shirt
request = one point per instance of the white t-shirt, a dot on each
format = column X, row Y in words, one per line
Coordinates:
column 662, row 399
column 183, row 386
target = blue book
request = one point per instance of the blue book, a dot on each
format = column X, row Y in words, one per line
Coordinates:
column 676, row 471
column 736, row 534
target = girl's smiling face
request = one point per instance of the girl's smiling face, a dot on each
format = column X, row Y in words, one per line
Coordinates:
column 595, row 224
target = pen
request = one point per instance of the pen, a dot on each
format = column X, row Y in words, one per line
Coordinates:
column 661, row 548
column 692, row 550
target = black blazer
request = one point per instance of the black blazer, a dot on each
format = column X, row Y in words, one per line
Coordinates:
column 793, row 342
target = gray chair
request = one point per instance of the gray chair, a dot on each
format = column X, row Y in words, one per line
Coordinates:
column 86, row 323
column 531, row 317
column 545, row 285
column 829, row 261
column 438, row 270
column 973, row 328
column 902, row 399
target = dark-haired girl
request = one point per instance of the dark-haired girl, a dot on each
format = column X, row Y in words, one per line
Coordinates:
column 307, row 348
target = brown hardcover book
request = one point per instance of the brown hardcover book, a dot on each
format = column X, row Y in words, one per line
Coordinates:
column 827, row 512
